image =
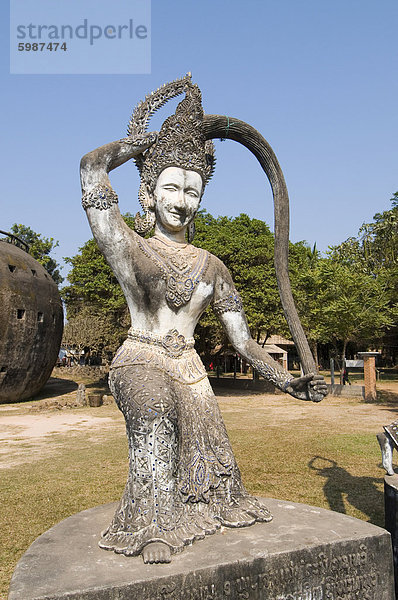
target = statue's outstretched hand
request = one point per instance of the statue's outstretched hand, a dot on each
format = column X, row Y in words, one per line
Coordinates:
column 309, row 387
column 142, row 141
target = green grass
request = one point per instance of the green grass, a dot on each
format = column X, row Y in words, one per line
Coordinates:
column 310, row 464
column 298, row 460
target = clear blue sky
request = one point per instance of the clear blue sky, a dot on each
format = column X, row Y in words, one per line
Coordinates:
column 317, row 79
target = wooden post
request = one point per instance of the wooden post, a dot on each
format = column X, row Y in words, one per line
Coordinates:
column 332, row 371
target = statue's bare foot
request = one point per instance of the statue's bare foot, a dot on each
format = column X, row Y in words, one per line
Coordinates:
column 156, row 552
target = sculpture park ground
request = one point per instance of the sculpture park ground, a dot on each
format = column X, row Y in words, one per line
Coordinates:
column 56, row 458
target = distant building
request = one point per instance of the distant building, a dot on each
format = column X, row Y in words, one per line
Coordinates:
column 281, row 349
column 278, row 347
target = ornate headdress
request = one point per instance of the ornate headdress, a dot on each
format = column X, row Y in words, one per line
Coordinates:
column 181, row 141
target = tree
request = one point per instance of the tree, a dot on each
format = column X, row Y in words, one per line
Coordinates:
column 379, row 239
column 355, row 306
column 87, row 329
column 374, row 252
column 339, row 303
column 92, row 283
column 376, row 246
column 246, row 247
column 40, row 248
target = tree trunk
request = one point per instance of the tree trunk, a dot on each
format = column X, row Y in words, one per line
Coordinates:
column 265, row 339
column 314, row 350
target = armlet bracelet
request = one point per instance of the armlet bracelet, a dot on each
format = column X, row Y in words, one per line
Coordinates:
column 101, row 197
column 232, row 302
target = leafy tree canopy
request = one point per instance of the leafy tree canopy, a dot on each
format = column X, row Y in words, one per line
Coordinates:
column 374, row 252
column 40, row 248
column 246, row 247
column 91, row 329
column 355, row 305
column 376, row 246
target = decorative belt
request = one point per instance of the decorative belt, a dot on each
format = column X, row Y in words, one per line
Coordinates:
column 173, row 342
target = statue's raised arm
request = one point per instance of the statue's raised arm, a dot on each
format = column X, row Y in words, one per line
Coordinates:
column 98, row 197
column 183, row 480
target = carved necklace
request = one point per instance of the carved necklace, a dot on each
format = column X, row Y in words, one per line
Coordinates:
column 182, row 267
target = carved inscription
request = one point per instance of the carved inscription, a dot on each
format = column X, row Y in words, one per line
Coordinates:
column 349, row 576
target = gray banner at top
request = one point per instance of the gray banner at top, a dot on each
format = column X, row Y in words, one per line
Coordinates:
column 85, row 37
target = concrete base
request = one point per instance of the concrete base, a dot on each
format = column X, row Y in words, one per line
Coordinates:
column 346, row 391
column 305, row 553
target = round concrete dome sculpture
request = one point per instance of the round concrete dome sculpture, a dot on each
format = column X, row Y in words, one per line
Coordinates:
column 31, row 323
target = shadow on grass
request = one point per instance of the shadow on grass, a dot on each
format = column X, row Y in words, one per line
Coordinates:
column 360, row 492
column 101, row 382
column 387, row 397
column 233, row 392
column 56, row 387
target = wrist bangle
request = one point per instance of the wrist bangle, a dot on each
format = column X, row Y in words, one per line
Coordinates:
column 286, row 385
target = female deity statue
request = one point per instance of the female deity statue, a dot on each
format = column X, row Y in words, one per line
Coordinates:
column 183, row 481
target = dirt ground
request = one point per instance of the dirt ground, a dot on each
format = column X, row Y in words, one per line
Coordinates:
column 31, row 430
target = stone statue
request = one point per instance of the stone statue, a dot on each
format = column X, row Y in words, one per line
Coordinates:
column 388, row 441
column 183, row 481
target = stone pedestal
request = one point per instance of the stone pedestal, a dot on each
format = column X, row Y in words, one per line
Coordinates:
column 391, row 514
column 305, row 553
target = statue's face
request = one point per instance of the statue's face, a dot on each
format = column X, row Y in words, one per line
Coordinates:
column 176, row 197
